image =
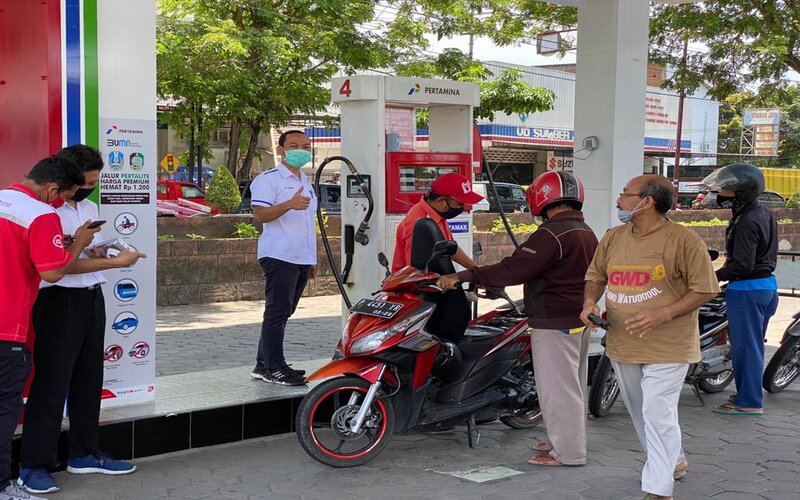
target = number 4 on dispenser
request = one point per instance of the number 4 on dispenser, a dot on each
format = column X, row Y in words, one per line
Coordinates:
column 345, row 89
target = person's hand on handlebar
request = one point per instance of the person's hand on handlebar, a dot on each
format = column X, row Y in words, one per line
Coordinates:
column 448, row 281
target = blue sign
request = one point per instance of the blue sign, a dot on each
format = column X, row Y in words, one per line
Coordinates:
column 459, row 227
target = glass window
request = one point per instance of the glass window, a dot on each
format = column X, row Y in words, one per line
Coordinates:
column 161, row 188
column 519, row 194
column 503, row 192
column 192, row 192
column 418, row 179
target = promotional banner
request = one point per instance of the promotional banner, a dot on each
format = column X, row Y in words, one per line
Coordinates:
column 127, row 203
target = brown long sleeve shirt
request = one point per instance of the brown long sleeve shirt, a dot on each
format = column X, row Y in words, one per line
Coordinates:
column 552, row 264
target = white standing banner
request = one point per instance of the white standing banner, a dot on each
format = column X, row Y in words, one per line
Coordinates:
column 128, row 204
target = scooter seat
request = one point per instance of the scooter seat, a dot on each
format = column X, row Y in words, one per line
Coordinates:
column 481, row 332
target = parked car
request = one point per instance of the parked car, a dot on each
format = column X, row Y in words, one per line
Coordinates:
column 181, row 199
column 247, row 196
column 512, row 196
column 771, row 199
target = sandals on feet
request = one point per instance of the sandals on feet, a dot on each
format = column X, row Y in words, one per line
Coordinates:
column 680, row 470
column 543, row 447
column 544, row 459
column 732, row 409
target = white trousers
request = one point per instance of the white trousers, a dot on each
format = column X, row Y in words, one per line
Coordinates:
column 651, row 394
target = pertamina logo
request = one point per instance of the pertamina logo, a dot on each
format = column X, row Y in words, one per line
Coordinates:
column 433, row 90
column 58, row 241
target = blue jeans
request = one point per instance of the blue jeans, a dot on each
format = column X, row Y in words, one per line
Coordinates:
column 285, row 285
column 749, row 312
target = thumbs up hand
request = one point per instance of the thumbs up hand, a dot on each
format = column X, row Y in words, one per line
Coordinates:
column 298, row 201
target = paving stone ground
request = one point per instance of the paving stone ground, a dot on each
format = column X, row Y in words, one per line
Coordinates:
column 731, row 457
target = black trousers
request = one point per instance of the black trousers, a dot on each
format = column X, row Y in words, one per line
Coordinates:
column 68, row 363
column 15, row 365
column 285, row 285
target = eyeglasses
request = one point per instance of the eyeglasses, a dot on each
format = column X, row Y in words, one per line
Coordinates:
column 622, row 195
column 458, row 203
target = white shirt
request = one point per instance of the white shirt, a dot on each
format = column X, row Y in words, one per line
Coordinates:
column 71, row 220
column 292, row 236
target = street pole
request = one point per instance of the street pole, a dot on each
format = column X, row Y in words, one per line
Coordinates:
column 191, row 147
column 676, row 170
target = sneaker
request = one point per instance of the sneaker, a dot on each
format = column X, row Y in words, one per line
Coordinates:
column 258, row 371
column 299, row 372
column 283, row 376
column 37, row 480
column 99, row 465
column 14, row 492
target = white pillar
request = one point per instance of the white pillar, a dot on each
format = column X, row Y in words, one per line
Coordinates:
column 609, row 101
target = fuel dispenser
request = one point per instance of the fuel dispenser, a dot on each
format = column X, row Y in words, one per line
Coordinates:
column 378, row 135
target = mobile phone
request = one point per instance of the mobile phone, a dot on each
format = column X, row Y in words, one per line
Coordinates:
column 95, row 224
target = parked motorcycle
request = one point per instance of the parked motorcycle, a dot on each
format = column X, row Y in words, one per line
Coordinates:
column 392, row 375
column 712, row 374
column 784, row 367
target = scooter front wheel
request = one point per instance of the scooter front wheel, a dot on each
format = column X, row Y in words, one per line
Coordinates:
column 324, row 421
column 784, row 367
column 605, row 388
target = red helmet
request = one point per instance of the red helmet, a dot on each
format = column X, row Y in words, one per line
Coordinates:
column 554, row 187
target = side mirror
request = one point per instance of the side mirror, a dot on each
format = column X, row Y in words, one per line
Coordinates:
column 441, row 249
column 444, row 247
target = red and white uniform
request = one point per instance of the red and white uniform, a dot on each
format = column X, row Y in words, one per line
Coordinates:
column 31, row 241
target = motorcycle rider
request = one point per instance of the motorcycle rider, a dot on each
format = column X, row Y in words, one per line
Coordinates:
column 552, row 264
column 446, row 199
column 751, row 246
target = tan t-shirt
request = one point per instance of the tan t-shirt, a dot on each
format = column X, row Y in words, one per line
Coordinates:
column 649, row 272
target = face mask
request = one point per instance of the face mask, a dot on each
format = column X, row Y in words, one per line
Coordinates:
column 55, row 202
column 81, row 194
column 297, row 157
column 451, row 212
column 626, row 216
column 726, row 201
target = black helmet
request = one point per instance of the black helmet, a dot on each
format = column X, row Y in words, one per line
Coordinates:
column 744, row 179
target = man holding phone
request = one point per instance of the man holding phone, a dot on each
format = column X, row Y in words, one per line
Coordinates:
column 69, row 319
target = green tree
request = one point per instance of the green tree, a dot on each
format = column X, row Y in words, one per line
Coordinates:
column 254, row 64
column 223, row 192
column 748, row 42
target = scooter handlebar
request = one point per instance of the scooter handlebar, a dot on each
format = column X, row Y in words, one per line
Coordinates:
column 597, row 320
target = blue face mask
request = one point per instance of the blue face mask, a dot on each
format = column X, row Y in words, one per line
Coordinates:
column 626, row 216
column 297, row 157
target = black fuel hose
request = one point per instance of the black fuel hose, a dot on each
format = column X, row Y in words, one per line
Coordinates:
column 360, row 235
column 499, row 204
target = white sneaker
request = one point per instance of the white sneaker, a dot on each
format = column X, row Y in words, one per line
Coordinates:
column 14, row 492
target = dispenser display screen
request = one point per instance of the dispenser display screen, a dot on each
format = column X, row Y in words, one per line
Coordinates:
column 418, row 178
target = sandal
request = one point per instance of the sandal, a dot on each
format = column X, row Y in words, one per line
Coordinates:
column 732, row 409
column 544, row 447
column 680, row 470
column 544, row 459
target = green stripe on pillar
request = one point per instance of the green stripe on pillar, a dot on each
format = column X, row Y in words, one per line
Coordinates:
column 90, row 96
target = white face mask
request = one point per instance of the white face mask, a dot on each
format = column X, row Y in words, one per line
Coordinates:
column 626, row 216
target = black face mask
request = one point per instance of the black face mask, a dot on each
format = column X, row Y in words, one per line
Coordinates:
column 81, row 194
column 726, row 201
column 451, row 212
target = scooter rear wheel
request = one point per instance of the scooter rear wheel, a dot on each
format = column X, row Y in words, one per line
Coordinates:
column 324, row 417
column 784, row 367
column 716, row 383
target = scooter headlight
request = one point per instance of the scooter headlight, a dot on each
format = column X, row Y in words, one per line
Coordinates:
column 370, row 342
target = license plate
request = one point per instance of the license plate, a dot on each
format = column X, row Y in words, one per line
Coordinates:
column 377, row 308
